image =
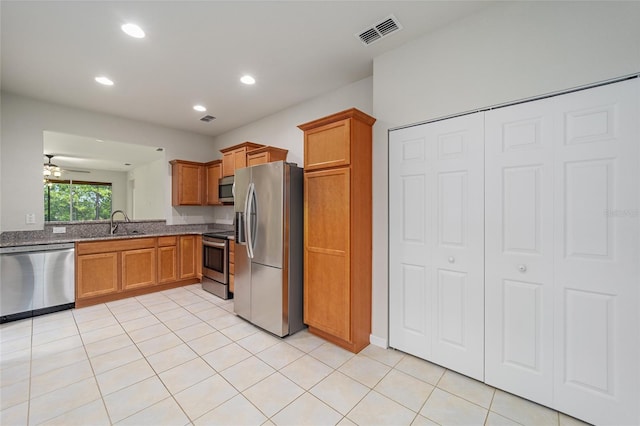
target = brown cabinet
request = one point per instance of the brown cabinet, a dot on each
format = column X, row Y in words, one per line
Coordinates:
column 117, row 268
column 139, row 268
column 188, row 254
column 337, row 228
column 97, row 275
column 187, row 183
column 213, row 173
column 235, row 157
column 167, row 259
column 266, row 154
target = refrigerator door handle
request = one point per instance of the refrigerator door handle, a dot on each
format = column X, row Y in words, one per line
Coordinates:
column 248, row 208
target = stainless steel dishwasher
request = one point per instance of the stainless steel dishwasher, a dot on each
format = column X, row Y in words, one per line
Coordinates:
column 36, row 280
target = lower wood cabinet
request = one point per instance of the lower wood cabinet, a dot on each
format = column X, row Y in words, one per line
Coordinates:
column 98, row 274
column 189, row 259
column 138, row 268
column 114, row 269
column 167, row 259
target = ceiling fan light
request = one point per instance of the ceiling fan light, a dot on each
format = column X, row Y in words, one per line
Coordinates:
column 46, row 172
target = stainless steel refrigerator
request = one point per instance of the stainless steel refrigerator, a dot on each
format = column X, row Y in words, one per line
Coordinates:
column 269, row 246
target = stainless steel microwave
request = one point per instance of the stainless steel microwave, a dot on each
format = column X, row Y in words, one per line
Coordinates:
column 225, row 189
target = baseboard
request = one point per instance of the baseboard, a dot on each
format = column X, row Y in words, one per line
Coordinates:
column 378, row 341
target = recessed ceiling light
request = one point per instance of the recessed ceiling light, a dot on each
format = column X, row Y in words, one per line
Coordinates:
column 133, row 30
column 104, row 80
column 247, row 79
column 199, row 108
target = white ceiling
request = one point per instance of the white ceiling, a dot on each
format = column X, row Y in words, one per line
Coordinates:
column 196, row 51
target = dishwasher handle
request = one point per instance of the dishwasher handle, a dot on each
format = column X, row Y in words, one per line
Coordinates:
column 36, row 248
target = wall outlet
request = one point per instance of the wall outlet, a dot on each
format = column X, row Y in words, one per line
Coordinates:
column 59, row 230
column 30, row 218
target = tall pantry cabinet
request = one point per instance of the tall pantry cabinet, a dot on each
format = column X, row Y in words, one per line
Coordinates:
column 337, row 228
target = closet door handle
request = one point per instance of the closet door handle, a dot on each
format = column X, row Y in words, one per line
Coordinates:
column 451, row 259
column 522, row 268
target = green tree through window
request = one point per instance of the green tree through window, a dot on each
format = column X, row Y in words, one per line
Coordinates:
column 76, row 201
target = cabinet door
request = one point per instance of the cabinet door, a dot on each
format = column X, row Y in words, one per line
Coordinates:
column 436, row 221
column 188, row 256
column 138, row 268
column 254, row 159
column 228, row 164
column 97, row 275
column 187, row 185
column 167, row 264
column 327, row 289
column 239, row 158
column 213, row 175
column 328, row 146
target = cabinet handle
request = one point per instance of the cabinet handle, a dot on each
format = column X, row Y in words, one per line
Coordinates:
column 522, row 268
column 451, row 259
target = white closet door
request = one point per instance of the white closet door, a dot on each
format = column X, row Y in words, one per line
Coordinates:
column 436, row 242
column 597, row 278
column 519, row 249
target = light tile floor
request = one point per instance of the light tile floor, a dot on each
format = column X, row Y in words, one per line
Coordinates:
column 182, row 357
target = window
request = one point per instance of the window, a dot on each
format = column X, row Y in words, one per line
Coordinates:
column 66, row 200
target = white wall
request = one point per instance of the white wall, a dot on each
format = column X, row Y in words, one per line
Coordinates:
column 512, row 51
column 145, row 196
column 281, row 129
column 24, row 120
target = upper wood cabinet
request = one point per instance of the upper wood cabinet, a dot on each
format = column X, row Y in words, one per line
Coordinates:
column 235, row 157
column 213, row 173
column 332, row 141
column 187, row 183
column 337, row 228
column 266, row 154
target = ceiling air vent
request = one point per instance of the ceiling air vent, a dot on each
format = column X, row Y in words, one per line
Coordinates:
column 207, row 118
column 380, row 30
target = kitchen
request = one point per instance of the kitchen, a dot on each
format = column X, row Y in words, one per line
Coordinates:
column 405, row 88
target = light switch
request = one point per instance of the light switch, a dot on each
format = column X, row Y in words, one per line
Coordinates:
column 59, row 230
column 30, row 218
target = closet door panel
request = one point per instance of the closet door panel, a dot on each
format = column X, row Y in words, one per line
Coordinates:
column 458, row 209
column 519, row 249
column 436, row 242
column 597, row 341
column 410, row 238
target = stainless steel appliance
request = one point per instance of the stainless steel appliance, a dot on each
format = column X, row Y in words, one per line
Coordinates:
column 268, row 254
column 36, row 280
column 225, row 189
column 215, row 263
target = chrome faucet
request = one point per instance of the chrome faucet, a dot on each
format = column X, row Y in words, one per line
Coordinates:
column 115, row 227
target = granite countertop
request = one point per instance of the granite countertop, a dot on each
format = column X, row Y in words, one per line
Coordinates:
column 100, row 231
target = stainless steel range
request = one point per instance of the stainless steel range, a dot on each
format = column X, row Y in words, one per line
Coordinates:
column 215, row 263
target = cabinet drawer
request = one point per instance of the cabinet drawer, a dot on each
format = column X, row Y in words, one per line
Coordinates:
column 232, row 257
column 167, row 241
column 232, row 268
column 114, row 245
column 328, row 146
column 231, row 286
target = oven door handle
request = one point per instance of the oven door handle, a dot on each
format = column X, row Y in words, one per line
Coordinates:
column 209, row 244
